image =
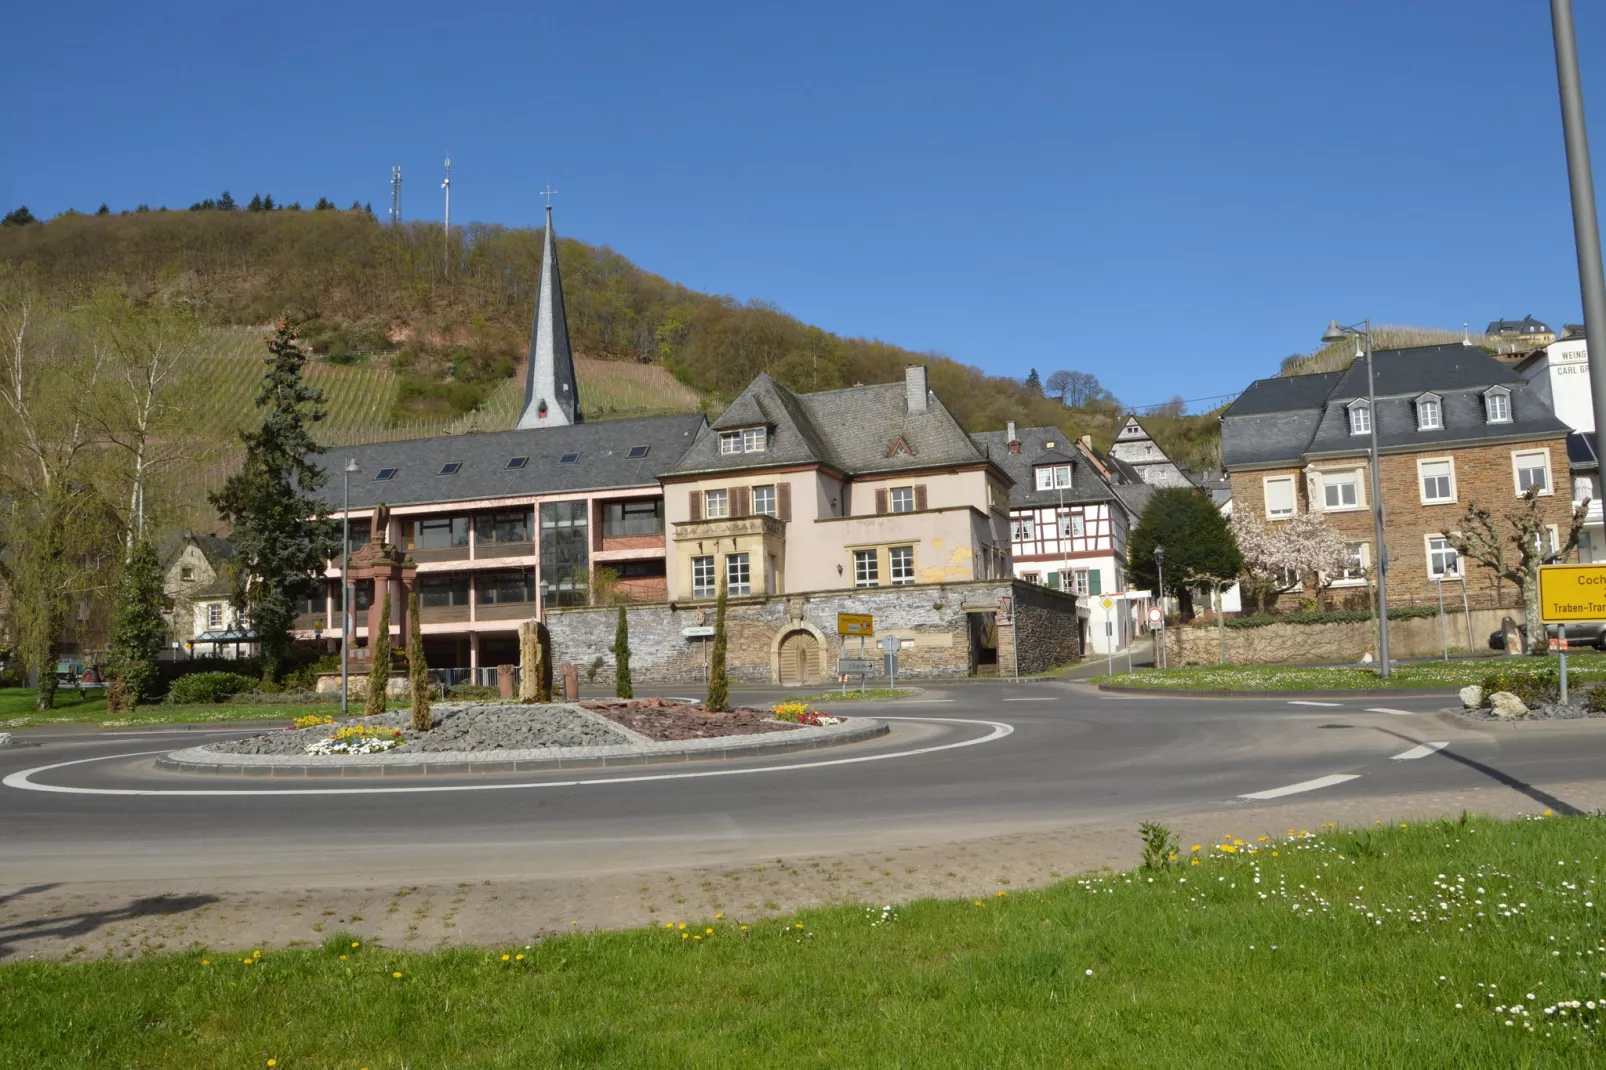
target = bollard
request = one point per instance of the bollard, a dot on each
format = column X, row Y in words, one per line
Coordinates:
column 571, row 682
column 504, row 681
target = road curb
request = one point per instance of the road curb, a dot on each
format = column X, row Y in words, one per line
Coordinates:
column 1177, row 692
column 194, row 760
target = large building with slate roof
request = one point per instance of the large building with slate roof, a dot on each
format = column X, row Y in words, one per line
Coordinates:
column 1454, row 427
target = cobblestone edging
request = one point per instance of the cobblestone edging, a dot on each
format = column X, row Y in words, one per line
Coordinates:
column 1460, row 718
column 201, row 760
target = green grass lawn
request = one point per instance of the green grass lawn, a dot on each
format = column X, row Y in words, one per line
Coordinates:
column 826, row 697
column 1581, row 669
column 1467, row 943
column 16, row 711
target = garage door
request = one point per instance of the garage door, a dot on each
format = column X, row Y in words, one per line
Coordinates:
column 800, row 659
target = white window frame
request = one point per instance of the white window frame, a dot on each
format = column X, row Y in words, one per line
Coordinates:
column 1422, row 480
column 1078, row 524
column 900, row 499
column 1489, row 397
column 1346, row 477
column 702, row 568
column 764, row 500
column 738, row 573
column 1026, row 528
column 744, row 440
column 1427, row 541
column 1363, row 561
column 866, row 568
column 1517, row 468
column 1359, row 413
column 1079, row 583
column 1429, row 413
column 900, row 572
column 721, row 496
column 214, row 615
column 1293, row 497
column 1053, row 476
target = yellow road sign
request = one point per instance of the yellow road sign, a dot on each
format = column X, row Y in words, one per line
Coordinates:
column 1572, row 593
column 855, row 624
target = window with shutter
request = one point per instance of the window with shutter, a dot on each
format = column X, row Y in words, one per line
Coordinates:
column 881, row 500
column 920, row 495
column 1095, row 581
column 740, row 496
column 696, row 505
column 783, row 507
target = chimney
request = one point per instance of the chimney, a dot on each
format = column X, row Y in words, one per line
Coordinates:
column 1087, row 440
column 1010, row 440
column 914, row 382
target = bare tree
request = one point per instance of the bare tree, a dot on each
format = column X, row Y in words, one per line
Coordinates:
column 1076, row 389
column 1517, row 556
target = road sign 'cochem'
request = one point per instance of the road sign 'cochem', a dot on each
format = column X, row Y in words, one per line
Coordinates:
column 1572, row 593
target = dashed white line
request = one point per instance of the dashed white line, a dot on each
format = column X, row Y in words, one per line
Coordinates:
column 1306, row 702
column 1030, row 700
column 1304, row 785
column 1385, row 709
column 1420, row 752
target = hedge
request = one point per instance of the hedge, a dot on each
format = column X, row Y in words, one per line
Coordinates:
column 1334, row 616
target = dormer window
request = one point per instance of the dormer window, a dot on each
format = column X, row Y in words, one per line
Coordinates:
column 1497, row 405
column 1053, row 476
column 747, row 440
column 1429, row 413
column 1360, row 418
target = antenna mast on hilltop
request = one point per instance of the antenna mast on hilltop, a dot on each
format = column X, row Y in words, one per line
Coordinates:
column 447, row 186
column 395, row 194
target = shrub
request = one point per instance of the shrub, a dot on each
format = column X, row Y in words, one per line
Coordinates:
column 1333, row 616
column 305, row 678
column 473, row 693
column 1595, row 699
column 1532, row 686
column 208, row 686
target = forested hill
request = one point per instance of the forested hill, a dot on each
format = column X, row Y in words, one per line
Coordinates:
column 453, row 317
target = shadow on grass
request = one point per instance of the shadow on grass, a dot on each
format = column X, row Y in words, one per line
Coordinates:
column 69, row 926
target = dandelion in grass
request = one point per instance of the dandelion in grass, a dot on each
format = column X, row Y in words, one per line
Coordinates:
column 397, row 975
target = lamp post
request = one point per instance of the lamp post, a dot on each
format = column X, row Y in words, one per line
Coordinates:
column 345, row 586
column 1159, row 596
column 1362, row 333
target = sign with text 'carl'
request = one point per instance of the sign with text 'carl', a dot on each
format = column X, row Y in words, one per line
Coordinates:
column 1572, row 593
column 855, row 624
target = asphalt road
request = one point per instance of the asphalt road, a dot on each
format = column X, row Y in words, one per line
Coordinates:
column 961, row 761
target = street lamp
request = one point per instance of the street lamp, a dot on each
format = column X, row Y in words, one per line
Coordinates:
column 345, row 587
column 1159, row 592
column 1362, row 333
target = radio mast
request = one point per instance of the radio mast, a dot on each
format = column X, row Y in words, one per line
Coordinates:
column 395, row 194
column 447, row 186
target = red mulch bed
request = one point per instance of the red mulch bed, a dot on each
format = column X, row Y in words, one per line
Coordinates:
column 660, row 718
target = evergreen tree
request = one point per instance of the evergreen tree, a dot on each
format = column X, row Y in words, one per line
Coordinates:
column 719, row 697
column 138, row 631
column 282, row 534
column 226, row 203
column 379, row 675
column 256, row 203
column 324, row 204
column 267, row 203
column 369, row 210
column 417, row 667
column 103, row 210
column 1199, row 546
column 21, row 217
column 621, row 657
column 1034, row 383
column 356, row 206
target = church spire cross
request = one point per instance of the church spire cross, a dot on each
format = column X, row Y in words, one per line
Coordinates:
column 547, row 193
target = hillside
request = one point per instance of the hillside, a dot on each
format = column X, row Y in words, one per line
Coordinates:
column 413, row 341
column 1336, row 356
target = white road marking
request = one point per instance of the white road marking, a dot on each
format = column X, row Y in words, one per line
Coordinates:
column 1420, row 752
column 1385, row 709
column 1303, row 702
column 21, row 780
column 1304, row 785
column 1049, row 699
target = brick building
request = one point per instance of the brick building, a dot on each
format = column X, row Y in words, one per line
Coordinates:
column 1454, row 426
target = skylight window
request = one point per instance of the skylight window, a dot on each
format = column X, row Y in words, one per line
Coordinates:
column 386, row 473
column 517, row 462
column 569, row 458
column 450, row 468
column 638, row 451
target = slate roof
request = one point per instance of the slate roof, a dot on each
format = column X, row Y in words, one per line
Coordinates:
column 603, row 464
column 1087, row 485
column 1290, row 419
column 1582, row 455
column 853, row 430
column 1526, row 325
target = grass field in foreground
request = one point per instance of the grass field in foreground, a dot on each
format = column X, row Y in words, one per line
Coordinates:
column 16, row 711
column 1582, row 668
column 1470, row 943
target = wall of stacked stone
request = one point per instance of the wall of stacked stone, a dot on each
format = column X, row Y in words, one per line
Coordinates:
column 932, row 619
column 1046, row 628
column 1348, row 641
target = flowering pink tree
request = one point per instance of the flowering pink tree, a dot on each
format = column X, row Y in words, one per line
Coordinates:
column 1304, row 546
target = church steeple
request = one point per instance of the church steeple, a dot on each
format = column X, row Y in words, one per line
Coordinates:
column 551, row 394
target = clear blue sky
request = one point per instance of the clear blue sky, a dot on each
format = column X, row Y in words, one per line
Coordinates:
column 1172, row 195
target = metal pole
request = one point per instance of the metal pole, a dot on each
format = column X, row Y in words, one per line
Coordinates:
column 1377, row 513
column 1444, row 625
column 1466, row 611
column 345, row 592
column 1580, row 179
column 1160, row 601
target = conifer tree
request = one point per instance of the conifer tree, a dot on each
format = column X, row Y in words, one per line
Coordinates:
column 417, row 667
column 226, row 203
column 1034, row 383
column 137, row 632
column 282, row 534
column 379, row 676
column 718, row 685
column 621, row 657
column 267, row 203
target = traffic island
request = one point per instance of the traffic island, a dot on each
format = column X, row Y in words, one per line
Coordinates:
column 497, row 737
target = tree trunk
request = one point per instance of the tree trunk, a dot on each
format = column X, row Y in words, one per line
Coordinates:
column 45, row 666
column 1538, row 642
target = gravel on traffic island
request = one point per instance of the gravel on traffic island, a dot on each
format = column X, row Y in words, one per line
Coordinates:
column 505, row 738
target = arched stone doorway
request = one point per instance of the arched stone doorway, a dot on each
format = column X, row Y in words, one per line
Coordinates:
column 799, row 660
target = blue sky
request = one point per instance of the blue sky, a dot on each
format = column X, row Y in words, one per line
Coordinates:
column 1172, row 195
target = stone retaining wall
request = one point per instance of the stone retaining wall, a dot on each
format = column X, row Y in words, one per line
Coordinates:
column 1294, row 644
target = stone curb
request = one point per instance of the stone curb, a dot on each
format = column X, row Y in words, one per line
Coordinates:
column 456, row 763
column 1455, row 717
column 1409, row 692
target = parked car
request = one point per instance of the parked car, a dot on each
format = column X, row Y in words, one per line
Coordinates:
column 1591, row 633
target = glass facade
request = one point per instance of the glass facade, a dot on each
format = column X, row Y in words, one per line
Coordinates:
column 506, row 586
column 438, row 590
column 507, row 526
column 565, row 553
column 633, row 518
